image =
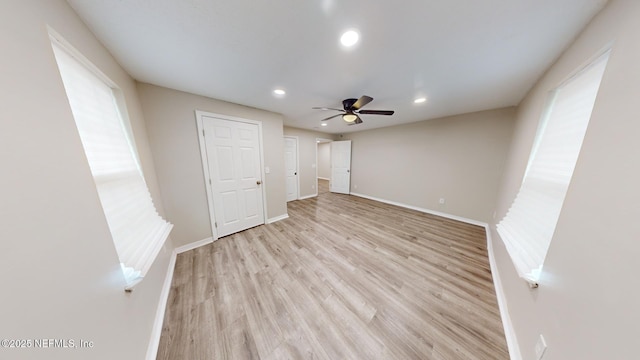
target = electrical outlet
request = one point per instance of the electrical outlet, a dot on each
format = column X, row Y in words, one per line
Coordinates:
column 441, row 201
column 355, row 186
column 541, row 346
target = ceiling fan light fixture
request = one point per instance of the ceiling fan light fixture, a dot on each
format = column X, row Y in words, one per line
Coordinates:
column 279, row 92
column 349, row 117
column 420, row 100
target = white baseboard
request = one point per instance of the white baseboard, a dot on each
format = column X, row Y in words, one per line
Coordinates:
column 322, row 178
column 509, row 333
column 277, row 218
column 156, row 331
column 193, row 245
column 427, row 211
column 308, row 196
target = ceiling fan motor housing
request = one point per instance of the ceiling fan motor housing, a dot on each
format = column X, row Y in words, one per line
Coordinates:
column 348, row 104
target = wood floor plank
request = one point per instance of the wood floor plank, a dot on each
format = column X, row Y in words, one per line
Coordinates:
column 342, row 278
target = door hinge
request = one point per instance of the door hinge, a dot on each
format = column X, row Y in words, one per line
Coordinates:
column 210, row 183
column 203, row 132
column 215, row 224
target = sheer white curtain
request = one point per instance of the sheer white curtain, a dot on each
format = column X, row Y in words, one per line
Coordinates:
column 138, row 231
column 528, row 227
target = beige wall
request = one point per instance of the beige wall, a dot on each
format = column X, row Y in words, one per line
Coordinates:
column 307, row 158
column 587, row 303
column 60, row 275
column 173, row 135
column 324, row 160
column 458, row 158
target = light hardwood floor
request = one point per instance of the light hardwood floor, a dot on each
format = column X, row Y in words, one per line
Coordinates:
column 342, row 278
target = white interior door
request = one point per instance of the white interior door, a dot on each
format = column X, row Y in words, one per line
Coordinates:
column 235, row 177
column 340, row 166
column 291, row 166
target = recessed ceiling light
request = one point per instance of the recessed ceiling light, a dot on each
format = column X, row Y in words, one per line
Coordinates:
column 420, row 100
column 349, row 38
column 323, row 124
column 279, row 92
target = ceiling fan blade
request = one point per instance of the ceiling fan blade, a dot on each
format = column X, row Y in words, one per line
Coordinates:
column 326, row 108
column 331, row 117
column 376, row 112
column 364, row 100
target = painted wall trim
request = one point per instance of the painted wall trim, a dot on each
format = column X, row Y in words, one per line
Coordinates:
column 432, row 212
column 193, row 245
column 308, row 196
column 156, row 331
column 277, row 218
column 510, row 335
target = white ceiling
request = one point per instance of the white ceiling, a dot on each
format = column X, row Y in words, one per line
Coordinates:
column 463, row 55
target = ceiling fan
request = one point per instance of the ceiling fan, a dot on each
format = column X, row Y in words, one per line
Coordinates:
column 351, row 110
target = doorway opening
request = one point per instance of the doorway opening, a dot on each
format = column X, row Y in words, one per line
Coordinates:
column 333, row 159
column 323, row 168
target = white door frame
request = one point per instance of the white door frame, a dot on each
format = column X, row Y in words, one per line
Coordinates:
column 205, row 164
column 297, row 164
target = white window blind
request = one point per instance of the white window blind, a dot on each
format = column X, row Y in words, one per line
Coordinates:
column 137, row 230
column 528, row 227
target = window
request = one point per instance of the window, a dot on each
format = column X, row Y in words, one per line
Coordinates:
column 137, row 230
column 528, row 227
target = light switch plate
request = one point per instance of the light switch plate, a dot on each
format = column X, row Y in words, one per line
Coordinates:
column 267, row 170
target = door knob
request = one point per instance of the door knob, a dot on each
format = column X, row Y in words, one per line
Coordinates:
column 258, row 182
